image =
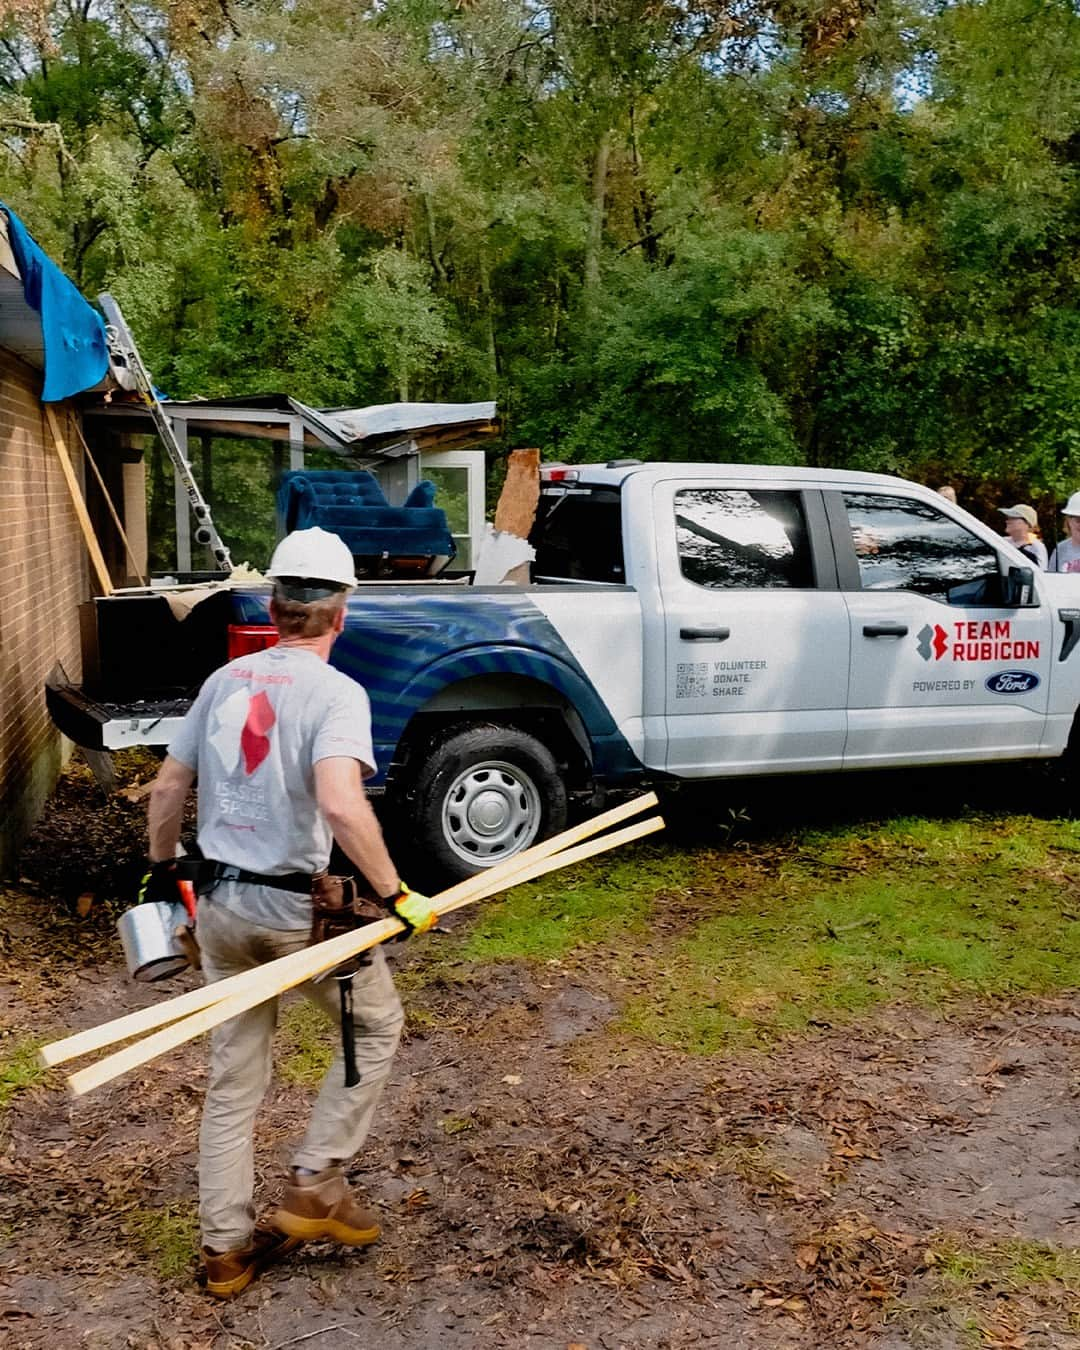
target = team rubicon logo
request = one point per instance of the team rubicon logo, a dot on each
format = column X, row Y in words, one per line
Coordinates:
column 241, row 733
column 974, row 640
column 933, row 642
column 255, row 737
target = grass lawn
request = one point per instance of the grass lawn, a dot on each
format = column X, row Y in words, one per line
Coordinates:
column 708, row 949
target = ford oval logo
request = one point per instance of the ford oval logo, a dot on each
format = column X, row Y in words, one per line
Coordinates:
column 1012, row 682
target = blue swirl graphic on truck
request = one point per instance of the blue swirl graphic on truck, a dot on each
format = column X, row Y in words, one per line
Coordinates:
column 406, row 649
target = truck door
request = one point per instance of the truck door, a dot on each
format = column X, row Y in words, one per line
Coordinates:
column 940, row 668
column 755, row 630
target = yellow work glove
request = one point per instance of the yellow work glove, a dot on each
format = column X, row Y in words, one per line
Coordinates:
column 161, row 882
column 414, row 911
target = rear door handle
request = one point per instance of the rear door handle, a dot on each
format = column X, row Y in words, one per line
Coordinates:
column 884, row 630
column 705, row 634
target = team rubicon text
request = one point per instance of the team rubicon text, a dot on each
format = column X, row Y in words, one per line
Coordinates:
column 972, row 640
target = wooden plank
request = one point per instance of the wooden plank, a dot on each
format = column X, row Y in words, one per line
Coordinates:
column 503, row 875
column 566, row 858
column 75, row 492
column 272, row 982
column 112, row 509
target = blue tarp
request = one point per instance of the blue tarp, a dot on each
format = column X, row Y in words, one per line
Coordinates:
column 73, row 334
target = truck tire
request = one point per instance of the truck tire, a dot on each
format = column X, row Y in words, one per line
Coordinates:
column 483, row 794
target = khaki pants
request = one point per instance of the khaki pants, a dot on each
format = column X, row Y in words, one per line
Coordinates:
column 241, row 1064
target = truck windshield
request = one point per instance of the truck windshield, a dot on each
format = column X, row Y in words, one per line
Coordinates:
column 578, row 535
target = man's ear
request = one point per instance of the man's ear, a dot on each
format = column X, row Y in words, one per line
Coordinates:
column 339, row 620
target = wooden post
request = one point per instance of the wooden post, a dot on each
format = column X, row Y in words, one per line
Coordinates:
column 92, row 546
column 112, row 510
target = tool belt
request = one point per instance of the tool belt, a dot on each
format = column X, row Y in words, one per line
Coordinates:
column 205, row 872
column 339, row 906
column 337, row 903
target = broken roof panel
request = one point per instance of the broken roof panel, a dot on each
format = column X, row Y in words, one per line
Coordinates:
column 385, row 429
column 389, row 422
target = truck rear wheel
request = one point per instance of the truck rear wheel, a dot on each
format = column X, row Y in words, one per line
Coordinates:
column 482, row 795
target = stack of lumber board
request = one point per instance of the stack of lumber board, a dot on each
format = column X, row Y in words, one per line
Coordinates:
column 186, row 1016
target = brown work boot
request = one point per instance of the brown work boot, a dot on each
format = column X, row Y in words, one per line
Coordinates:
column 227, row 1273
column 320, row 1206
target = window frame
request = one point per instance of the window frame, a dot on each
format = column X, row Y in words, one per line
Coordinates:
column 475, row 465
column 818, row 535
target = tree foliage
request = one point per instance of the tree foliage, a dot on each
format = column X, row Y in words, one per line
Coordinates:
column 841, row 232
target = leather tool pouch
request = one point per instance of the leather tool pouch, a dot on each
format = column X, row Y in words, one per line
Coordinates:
column 338, row 906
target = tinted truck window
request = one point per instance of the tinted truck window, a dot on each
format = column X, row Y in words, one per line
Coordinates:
column 729, row 538
column 578, row 535
column 906, row 545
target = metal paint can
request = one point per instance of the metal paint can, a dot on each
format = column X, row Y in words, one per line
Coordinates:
column 147, row 933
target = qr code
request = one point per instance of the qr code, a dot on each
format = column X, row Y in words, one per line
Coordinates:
column 690, row 678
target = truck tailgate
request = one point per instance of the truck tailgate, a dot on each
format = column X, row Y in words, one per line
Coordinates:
column 104, row 725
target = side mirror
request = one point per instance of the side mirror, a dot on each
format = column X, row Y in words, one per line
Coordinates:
column 1017, row 587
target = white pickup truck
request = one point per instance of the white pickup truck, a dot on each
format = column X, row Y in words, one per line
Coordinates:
column 685, row 621
column 799, row 620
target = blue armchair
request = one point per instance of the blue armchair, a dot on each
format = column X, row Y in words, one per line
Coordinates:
column 351, row 504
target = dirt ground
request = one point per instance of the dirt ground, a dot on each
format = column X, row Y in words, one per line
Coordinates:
column 547, row 1185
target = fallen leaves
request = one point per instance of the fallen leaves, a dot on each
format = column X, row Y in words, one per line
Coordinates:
column 997, row 1338
column 545, row 1181
column 850, row 1272
column 89, row 843
column 806, row 1256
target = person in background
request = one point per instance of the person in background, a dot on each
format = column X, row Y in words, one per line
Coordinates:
column 1022, row 529
column 948, row 492
column 1066, row 557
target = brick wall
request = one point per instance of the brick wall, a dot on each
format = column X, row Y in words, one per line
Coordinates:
column 43, row 579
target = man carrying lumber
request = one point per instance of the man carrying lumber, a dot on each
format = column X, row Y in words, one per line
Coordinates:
column 281, row 742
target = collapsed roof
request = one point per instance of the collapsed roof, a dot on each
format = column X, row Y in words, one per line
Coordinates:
column 385, row 430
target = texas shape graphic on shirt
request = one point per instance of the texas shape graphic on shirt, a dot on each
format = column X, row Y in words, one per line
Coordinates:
column 242, row 723
column 255, row 737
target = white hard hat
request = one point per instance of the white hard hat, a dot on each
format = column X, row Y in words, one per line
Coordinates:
column 314, row 555
column 1072, row 506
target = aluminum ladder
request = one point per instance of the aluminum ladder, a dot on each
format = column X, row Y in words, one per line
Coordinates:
column 125, row 355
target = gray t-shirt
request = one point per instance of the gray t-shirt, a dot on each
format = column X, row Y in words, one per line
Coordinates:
column 253, row 736
column 1065, row 558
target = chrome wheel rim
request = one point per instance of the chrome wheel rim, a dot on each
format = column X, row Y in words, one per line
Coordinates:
column 490, row 812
